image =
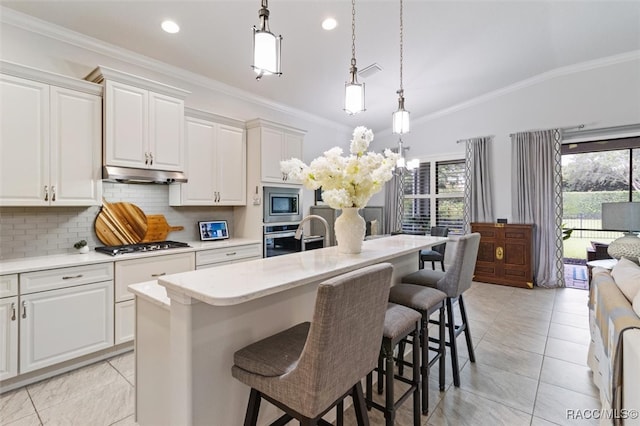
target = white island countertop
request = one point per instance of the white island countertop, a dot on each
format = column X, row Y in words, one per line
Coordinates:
column 240, row 282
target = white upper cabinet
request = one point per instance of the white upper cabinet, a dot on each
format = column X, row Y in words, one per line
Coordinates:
column 126, row 125
column 274, row 142
column 50, row 139
column 215, row 153
column 76, row 135
column 143, row 121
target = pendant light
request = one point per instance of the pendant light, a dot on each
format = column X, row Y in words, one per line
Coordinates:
column 266, row 46
column 353, row 92
column 400, row 123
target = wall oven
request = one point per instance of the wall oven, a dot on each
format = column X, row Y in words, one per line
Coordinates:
column 280, row 239
column 282, row 205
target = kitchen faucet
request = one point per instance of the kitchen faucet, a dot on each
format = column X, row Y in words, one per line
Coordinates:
column 327, row 240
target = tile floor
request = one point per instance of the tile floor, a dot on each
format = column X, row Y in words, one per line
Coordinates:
column 531, row 350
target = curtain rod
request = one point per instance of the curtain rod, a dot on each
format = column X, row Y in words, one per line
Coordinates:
column 579, row 126
column 490, row 137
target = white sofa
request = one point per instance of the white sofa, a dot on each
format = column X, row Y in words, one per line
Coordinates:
column 618, row 380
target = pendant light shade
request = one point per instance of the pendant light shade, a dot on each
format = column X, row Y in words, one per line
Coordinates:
column 400, row 118
column 266, row 46
column 401, row 122
column 353, row 91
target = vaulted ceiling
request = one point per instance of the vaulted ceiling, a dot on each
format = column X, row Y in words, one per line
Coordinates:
column 453, row 50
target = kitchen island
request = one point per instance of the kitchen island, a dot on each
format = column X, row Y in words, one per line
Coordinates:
column 186, row 337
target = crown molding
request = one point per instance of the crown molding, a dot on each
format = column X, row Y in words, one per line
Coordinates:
column 633, row 55
column 56, row 32
column 47, row 77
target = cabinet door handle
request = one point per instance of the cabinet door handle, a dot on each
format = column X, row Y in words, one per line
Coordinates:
column 13, row 312
column 151, row 158
column 53, row 193
column 499, row 253
column 146, row 158
column 72, row 277
column 46, row 193
column 24, row 309
column 233, row 253
column 158, row 275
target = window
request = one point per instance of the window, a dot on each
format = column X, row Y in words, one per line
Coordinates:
column 594, row 173
column 434, row 189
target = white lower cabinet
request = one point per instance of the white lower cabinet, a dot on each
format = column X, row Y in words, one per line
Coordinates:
column 59, row 325
column 8, row 337
column 125, row 314
column 140, row 270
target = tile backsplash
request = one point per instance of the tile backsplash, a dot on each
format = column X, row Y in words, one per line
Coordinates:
column 41, row 231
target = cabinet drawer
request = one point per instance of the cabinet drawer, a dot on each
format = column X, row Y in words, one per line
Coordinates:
column 148, row 269
column 8, row 285
column 51, row 279
column 227, row 254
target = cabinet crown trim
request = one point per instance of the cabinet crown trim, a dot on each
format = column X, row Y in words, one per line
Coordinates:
column 59, row 80
column 102, row 73
column 260, row 122
column 209, row 116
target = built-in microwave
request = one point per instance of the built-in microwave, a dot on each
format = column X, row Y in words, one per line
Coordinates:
column 281, row 205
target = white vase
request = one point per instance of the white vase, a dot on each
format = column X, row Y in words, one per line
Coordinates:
column 83, row 250
column 350, row 229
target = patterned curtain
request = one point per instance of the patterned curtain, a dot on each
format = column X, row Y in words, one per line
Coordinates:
column 478, row 196
column 537, row 198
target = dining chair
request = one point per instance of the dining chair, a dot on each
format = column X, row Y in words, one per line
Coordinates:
column 436, row 253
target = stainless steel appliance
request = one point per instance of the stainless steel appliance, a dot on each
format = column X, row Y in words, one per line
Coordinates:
column 142, row 247
column 281, row 239
column 281, row 205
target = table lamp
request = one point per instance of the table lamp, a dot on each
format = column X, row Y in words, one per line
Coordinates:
column 623, row 217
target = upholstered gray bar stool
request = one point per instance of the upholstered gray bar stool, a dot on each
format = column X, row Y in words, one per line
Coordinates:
column 454, row 282
column 399, row 323
column 426, row 301
column 309, row 368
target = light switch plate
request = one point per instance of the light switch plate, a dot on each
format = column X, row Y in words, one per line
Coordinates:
column 257, row 200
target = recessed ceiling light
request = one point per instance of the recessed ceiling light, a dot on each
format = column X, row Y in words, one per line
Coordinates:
column 170, row 27
column 329, row 24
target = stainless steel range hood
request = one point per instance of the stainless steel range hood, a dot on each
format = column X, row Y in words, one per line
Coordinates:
column 132, row 175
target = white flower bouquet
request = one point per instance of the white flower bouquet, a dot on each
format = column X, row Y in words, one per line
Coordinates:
column 346, row 181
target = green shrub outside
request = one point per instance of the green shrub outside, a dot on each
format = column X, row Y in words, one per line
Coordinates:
column 589, row 204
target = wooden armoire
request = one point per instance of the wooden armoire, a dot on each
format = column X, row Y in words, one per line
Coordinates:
column 505, row 255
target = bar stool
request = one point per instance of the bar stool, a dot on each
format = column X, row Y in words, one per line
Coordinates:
column 399, row 322
column 308, row 369
column 435, row 253
column 454, row 282
column 426, row 301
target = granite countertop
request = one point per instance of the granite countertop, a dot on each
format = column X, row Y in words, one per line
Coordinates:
column 258, row 278
column 28, row 264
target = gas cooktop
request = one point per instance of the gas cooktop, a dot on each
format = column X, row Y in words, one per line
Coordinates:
column 142, row 247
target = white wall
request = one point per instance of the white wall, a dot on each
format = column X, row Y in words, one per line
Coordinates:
column 598, row 95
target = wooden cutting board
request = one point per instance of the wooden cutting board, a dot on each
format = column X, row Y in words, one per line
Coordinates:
column 120, row 223
column 158, row 228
